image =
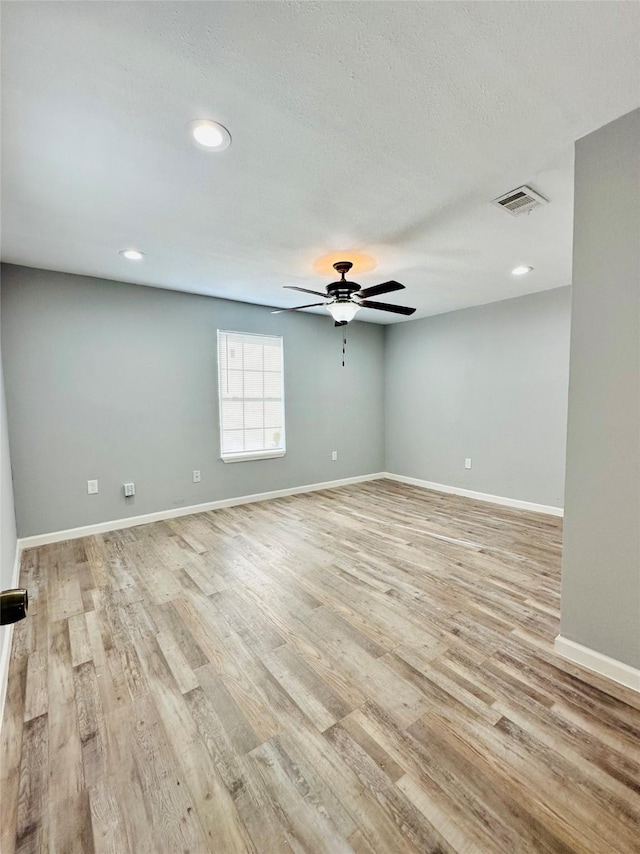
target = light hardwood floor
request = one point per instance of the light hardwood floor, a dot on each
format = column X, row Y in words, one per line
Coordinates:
column 366, row 669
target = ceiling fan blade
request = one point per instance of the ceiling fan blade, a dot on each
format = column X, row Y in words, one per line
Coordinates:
column 305, row 291
column 385, row 306
column 297, row 308
column 384, row 288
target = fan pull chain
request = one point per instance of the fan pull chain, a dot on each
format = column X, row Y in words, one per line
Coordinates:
column 344, row 345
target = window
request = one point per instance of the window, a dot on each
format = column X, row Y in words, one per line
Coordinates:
column 251, row 390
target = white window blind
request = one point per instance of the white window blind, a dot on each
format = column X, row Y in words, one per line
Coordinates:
column 251, row 389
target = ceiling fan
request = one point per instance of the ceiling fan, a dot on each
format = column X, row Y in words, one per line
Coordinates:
column 347, row 298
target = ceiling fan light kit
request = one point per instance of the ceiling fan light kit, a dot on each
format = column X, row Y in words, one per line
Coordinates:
column 347, row 298
column 343, row 310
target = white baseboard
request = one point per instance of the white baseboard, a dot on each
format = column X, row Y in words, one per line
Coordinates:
column 8, row 638
column 174, row 512
column 478, row 496
column 611, row 668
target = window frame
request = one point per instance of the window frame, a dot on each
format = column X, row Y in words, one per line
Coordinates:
column 248, row 456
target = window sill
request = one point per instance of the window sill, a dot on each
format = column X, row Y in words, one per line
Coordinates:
column 248, row 457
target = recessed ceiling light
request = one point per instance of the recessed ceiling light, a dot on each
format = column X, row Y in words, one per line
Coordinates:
column 132, row 254
column 210, row 135
column 520, row 271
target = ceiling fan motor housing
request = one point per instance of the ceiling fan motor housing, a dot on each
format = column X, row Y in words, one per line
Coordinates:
column 342, row 289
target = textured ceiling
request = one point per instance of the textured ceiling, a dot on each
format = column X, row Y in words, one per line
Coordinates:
column 379, row 127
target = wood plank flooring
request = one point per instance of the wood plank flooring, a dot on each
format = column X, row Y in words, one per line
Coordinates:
column 368, row 669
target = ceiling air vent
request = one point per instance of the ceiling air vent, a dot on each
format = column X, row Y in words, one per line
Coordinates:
column 520, row 201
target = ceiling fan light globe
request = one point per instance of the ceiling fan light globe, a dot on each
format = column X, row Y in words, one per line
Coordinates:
column 343, row 310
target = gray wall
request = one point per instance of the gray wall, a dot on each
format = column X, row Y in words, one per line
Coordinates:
column 7, row 519
column 119, row 382
column 601, row 559
column 7, row 515
column 488, row 383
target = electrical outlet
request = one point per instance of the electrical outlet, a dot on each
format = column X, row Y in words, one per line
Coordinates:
column 334, row 455
column 129, row 490
column 92, row 487
column 467, row 462
column 196, row 476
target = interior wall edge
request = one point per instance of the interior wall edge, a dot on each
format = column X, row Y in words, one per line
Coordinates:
column 9, row 559
column 599, row 663
column 549, row 509
column 5, row 655
column 601, row 541
column 43, row 539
